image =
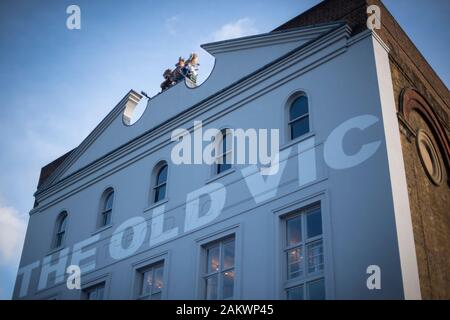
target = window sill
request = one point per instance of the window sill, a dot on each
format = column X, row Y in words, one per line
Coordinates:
column 297, row 140
column 156, row 204
column 101, row 229
column 220, row 175
column 55, row 250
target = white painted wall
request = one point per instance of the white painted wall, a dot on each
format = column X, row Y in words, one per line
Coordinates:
column 341, row 77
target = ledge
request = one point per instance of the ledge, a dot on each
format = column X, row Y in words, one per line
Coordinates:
column 101, row 229
column 55, row 250
column 156, row 204
column 297, row 140
column 221, row 175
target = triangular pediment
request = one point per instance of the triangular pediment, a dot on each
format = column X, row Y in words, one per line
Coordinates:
column 235, row 60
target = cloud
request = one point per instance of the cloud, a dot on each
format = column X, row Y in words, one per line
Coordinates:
column 240, row 28
column 12, row 234
column 171, row 24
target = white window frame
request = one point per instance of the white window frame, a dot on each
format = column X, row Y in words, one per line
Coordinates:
column 88, row 282
column 140, row 265
column 156, row 186
column 95, row 288
column 103, row 211
column 220, row 242
column 286, row 125
column 141, row 272
column 304, row 243
column 321, row 195
column 62, row 215
column 228, row 154
column 306, row 115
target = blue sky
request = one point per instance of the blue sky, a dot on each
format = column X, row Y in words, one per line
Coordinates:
column 57, row 84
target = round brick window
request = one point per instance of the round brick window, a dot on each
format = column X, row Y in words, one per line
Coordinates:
column 429, row 157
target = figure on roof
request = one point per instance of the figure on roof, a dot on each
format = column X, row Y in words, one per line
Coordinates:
column 191, row 67
column 178, row 74
column 169, row 81
column 183, row 69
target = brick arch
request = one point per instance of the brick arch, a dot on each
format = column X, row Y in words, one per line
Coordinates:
column 411, row 100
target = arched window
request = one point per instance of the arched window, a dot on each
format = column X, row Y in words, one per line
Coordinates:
column 159, row 189
column 298, row 117
column 60, row 234
column 224, row 151
column 106, row 207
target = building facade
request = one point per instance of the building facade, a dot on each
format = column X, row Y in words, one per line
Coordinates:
column 354, row 207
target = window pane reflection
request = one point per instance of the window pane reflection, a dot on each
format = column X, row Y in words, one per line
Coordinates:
column 228, row 255
column 315, row 257
column 295, row 262
column 294, row 231
column 228, row 284
column 295, row 293
column 213, row 259
column 314, row 224
column 316, row 290
column 211, row 287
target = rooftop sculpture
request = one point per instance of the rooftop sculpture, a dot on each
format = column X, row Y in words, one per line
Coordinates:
column 183, row 69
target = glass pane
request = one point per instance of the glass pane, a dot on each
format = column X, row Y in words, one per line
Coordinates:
column 316, row 290
column 159, row 282
column 156, row 296
column 315, row 257
column 226, row 141
column 147, row 282
column 299, row 127
column 92, row 295
column 295, row 293
column 213, row 259
column 221, row 167
column 62, row 224
column 106, row 218
column 228, row 284
column 228, row 254
column 160, row 193
column 59, row 239
column 295, row 262
column 314, row 223
column 100, row 291
column 109, row 201
column 294, row 230
column 211, row 287
column 298, row 108
column 95, row 293
column 162, row 175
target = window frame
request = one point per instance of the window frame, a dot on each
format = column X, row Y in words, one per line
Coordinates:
column 137, row 266
column 306, row 278
column 95, row 287
column 63, row 216
column 156, row 172
column 221, row 157
column 140, row 283
column 205, row 274
column 89, row 281
column 288, row 121
column 106, row 212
